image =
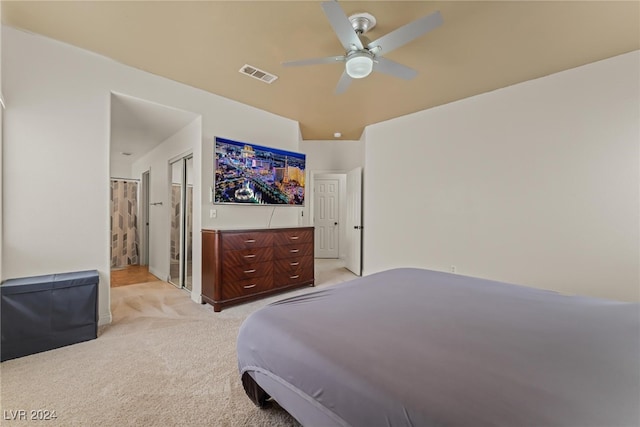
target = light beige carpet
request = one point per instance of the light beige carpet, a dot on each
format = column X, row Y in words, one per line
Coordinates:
column 164, row 360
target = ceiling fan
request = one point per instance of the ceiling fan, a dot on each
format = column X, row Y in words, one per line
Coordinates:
column 363, row 56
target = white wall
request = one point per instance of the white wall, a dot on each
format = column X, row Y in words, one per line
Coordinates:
column 1, row 185
column 1, row 148
column 185, row 141
column 120, row 168
column 333, row 155
column 56, row 153
column 535, row 184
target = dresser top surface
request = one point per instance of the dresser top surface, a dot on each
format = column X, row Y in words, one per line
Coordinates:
column 246, row 229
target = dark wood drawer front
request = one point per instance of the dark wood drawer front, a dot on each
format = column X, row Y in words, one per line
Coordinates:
column 247, row 256
column 241, row 288
column 288, row 237
column 293, row 265
column 234, row 241
column 246, row 271
column 293, row 251
column 287, row 279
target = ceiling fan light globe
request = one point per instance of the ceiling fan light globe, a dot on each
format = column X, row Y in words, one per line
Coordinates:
column 358, row 67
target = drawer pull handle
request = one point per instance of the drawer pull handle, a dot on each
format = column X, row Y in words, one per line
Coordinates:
column 250, row 256
column 294, row 277
column 249, row 286
column 294, row 263
column 294, row 251
column 253, row 270
column 250, row 241
column 294, row 237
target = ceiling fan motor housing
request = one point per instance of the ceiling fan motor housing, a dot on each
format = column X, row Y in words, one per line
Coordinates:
column 362, row 22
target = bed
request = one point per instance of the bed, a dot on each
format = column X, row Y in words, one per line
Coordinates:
column 414, row 347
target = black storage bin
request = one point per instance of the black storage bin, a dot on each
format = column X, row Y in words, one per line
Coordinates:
column 45, row 312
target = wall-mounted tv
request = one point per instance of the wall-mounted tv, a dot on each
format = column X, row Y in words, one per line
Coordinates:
column 255, row 175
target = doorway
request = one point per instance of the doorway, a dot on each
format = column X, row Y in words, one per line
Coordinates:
column 124, row 223
column 129, row 253
column 336, row 212
column 181, row 249
column 326, row 214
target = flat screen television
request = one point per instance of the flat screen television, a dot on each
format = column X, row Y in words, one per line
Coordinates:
column 251, row 174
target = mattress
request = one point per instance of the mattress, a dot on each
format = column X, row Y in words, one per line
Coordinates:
column 413, row 347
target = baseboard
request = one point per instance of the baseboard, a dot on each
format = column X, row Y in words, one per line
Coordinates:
column 104, row 318
column 157, row 273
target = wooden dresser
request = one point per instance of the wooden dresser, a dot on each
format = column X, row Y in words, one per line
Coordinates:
column 241, row 265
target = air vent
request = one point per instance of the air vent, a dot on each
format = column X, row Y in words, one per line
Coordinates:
column 257, row 73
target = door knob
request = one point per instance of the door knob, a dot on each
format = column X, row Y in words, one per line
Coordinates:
column 335, row 223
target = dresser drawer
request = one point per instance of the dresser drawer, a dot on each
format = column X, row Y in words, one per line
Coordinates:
column 234, row 241
column 288, row 279
column 246, row 271
column 293, row 266
column 247, row 256
column 286, row 237
column 296, row 250
column 241, row 288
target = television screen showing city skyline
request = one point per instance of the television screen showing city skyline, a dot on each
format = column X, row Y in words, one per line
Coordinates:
column 251, row 174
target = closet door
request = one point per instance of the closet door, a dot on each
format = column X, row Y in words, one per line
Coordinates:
column 181, row 260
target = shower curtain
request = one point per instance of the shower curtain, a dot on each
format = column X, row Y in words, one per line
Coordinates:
column 124, row 223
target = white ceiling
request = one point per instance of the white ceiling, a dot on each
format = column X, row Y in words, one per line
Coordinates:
column 138, row 126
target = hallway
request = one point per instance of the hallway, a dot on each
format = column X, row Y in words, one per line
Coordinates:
column 131, row 275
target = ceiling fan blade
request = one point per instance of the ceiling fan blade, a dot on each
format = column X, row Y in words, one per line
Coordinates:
column 314, row 61
column 407, row 33
column 393, row 68
column 343, row 83
column 341, row 25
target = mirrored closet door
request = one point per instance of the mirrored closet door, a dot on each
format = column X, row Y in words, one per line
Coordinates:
column 181, row 253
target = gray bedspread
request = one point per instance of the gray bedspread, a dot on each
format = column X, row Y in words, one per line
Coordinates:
column 412, row 347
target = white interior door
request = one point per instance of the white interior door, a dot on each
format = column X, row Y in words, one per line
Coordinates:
column 353, row 225
column 326, row 207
